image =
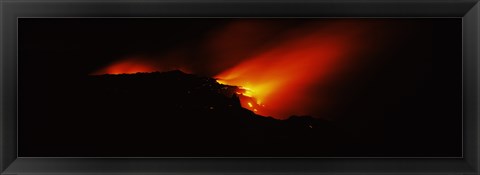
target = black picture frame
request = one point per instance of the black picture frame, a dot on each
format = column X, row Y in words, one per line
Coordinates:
column 10, row 163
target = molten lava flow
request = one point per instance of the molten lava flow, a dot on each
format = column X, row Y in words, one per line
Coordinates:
column 276, row 81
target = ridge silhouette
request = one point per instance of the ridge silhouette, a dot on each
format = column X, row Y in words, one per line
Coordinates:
column 196, row 113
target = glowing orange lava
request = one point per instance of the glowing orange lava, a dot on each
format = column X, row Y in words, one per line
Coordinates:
column 275, row 82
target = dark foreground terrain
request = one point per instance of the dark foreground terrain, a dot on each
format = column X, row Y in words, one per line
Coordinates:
column 178, row 114
column 175, row 114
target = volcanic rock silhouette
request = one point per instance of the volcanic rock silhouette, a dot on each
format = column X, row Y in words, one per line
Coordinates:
column 179, row 111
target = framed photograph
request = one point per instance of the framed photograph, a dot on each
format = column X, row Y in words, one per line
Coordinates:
column 254, row 87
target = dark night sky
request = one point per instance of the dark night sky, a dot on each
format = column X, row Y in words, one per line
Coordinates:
column 406, row 95
column 84, row 45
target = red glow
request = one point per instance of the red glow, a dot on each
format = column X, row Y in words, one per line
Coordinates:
column 133, row 65
column 127, row 66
